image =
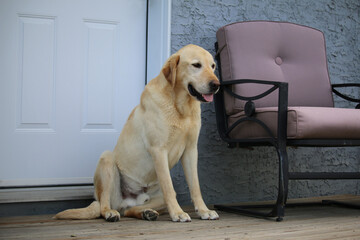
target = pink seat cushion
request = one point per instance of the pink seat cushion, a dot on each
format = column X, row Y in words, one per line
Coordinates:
column 275, row 51
column 303, row 123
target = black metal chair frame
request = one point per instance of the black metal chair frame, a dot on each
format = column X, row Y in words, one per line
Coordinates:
column 280, row 142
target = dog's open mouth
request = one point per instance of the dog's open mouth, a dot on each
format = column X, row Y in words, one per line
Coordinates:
column 199, row 96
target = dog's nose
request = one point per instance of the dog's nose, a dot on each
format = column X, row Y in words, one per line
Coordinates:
column 214, row 86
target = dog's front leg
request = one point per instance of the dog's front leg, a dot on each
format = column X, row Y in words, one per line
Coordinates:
column 163, row 174
column 189, row 162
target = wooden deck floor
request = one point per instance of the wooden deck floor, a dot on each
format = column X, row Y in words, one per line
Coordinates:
column 305, row 222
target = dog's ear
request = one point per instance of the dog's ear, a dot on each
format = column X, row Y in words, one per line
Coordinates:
column 169, row 69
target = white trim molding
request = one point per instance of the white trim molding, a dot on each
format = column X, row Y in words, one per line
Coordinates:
column 24, row 195
column 23, row 183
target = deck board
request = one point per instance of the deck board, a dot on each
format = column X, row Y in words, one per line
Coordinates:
column 305, row 222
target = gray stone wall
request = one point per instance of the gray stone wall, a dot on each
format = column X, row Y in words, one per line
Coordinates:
column 233, row 175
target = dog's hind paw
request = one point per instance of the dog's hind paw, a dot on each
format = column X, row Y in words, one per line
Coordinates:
column 150, row 215
column 112, row 216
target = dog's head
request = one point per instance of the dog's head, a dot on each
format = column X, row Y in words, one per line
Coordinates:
column 191, row 69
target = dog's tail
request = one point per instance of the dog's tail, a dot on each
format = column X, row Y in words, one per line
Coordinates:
column 90, row 212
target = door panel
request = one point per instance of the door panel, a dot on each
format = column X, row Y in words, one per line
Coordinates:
column 71, row 72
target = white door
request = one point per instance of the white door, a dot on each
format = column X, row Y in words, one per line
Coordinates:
column 70, row 73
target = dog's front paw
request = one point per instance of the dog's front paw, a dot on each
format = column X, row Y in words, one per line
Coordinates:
column 208, row 214
column 112, row 216
column 180, row 217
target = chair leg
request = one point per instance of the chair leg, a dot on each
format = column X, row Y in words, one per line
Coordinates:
column 278, row 210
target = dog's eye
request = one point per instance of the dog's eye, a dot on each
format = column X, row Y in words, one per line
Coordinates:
column 213, row 66
column 197, row 65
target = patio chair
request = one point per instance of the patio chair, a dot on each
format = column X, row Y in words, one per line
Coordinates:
column 275, row 91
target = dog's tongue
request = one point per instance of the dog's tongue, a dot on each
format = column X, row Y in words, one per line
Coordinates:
column 208, row 97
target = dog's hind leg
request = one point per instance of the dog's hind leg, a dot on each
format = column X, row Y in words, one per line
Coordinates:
column 149, row 210
column 90, row 212
column 107, row 187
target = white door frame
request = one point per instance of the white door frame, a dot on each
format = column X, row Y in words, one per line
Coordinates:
column 159, row 32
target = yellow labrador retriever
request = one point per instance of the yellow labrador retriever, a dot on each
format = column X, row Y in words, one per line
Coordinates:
column 135, row 179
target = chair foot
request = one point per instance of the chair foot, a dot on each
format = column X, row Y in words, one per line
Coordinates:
column 246, row 210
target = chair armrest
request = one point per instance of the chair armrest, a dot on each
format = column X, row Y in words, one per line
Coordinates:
column 250, row 107
column 343, row 85
column 275, row 85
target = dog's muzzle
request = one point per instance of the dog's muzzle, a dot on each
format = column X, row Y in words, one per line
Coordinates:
column 208, row 97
